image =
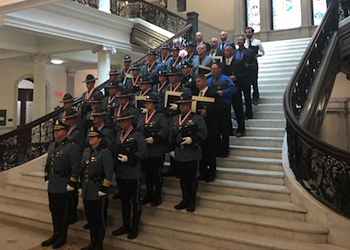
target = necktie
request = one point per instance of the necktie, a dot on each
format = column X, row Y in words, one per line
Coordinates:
column 250, row 43
column 222, row 45
column 227, row 61
column 201, row 93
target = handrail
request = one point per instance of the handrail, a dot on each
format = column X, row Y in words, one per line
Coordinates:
column 322, row 169
column 162, row 9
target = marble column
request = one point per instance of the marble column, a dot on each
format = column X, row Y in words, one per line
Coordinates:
column 265, row 19
column 39, row 93
column 70, row 81
column 104, row 62
column 105, row 6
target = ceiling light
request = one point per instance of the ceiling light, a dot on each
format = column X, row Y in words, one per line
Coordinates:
column 57, row 62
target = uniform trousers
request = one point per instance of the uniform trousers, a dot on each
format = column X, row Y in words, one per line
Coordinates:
column 207, row 165
column 73, row 201
column 188, row 179
column 58, row 204
column 152, row 167
column 130, row 192
column 95, row 215
column 224, row 123
column 254, row 81
column 238, row 108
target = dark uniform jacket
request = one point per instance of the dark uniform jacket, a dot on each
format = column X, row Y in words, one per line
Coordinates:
column 132, row 110
column 109, row 104
column 132, row 84
column 132, row 168
column 193, row 151
column 191, row 57
column 158, row 129
column 164, row 62
column 108, row 139
column 85, row 105
column 175, row 64
column 62, row 165
column 96, row 172
column 76, row 135
column 151, row 70
column 168, row 111
column 124, row 74
column 189, row 82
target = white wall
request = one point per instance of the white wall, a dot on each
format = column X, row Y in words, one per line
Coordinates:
column 12, row 72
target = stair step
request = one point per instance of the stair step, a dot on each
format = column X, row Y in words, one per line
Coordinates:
column 271, row 93
column 278, row 66
column 276, row 86
column 279, row 60
column 268, row 107
column 251, row 176
column 266, row 123
column 270, row 99
column 263, row 152
column 256, row 141
column 272, row 75
column 268, row 114
column 237, row 188
column 264, row 132
column 250, row 163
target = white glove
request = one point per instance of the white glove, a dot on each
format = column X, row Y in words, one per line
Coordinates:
column 149, row 140
column 172, row 154
column 186, row 140
column 47, row 182
column 173, row 106
column 80, row 191
column 122, row 158
column 101, row 193
column 69, row 188
column 143, row 110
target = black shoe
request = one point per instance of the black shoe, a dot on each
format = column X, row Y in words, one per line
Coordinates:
column 146, row 200
column 201, row 177
column 73, row 220
column 156, row 203
column 210, row 179
column 86, row 226
column 224, row 155
column 50, row 241
column 255, row 102
column 60, row 242
column 88, row 247
column 191, row 206
column 120, row 231
column 239, row 135
column 182, row 205
column 116, row 196
column 169, row 173
column 133, row 235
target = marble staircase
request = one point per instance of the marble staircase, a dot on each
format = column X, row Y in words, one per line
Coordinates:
column 246, row 207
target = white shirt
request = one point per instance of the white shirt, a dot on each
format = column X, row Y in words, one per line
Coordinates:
column 203, row 91
column 255, row 43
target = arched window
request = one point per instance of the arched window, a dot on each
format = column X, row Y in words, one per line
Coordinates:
column 319, row 9
column 253, row 14
column 286, row 14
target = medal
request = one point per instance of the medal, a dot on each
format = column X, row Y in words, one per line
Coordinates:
column 123, row 137
column 147, row 120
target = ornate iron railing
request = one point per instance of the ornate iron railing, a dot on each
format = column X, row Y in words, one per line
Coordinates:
column 323, row 170
column 31, row 140
column 149, row 12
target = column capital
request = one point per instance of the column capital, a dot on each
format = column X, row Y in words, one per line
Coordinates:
column 104, row 48
column 40, row 57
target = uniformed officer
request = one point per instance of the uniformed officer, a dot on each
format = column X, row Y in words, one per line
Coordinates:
column 61, row 173
column 110, row 102
column 94, row 102
column 67, row 101
column 113, row 75
column 77, row 136
column 190, row 48
column 98, row 119
column 132, row 84
column 85, row 107
column 187, row 131
column 163, row 82
column 165, row 57
column 187, row 79
column 156, row 131
column 175, row 62
column 126, row 74
column 151, row 67
column 97, row 174
column 131, row 150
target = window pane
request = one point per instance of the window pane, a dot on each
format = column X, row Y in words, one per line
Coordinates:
column 286, row 14
column 319, row 8
column 253, row 14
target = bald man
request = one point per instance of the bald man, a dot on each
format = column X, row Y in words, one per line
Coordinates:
column 224, row 41
column 199, row 40
column 216, row 53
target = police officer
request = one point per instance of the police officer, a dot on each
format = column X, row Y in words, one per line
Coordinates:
column 132, row 84
column 187, row 79
column 125, row 74
column 110, row 102
column 61, row 173
column 131, row 150
column 67, row 101
column 93, row 102
column 187, row 131
column 190, row 48
column 151, row 67
column 97, row 173
column 165, row 57
column 163, row 82
column 77, row 136
column 176, row 60
column 156, row 131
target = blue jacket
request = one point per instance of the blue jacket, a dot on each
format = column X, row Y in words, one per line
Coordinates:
column 227, row 93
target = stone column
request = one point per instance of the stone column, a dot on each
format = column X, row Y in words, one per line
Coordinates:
column 105, row 6
column 39, row 93
column 104, row 62
column 70, row 81
column 265, row 19
column 306, row 18
column 192, row 18
column 239, row 20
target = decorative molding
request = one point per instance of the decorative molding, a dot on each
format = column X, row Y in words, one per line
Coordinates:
column 40, row 57
column 104, row 48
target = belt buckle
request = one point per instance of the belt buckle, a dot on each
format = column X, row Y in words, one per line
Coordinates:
column 52, row 171
column 86, row 178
